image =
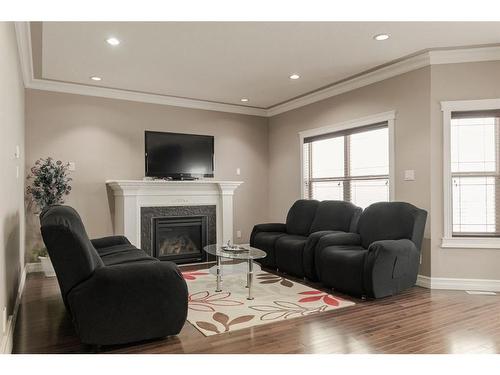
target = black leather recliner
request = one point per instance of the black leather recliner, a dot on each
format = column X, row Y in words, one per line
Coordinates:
column 290, row 247
column 115, row 293
column 382, row 259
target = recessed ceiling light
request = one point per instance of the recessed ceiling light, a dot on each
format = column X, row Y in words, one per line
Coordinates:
column 113, row 41
column 244, row 100
column 381, row 37
column 294, row 76
column 96, row 78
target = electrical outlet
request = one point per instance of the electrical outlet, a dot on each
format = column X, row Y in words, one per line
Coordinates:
column 17, row 153
column 238, row 234
column 420, row 258
column 4, row 320
column 238, row 171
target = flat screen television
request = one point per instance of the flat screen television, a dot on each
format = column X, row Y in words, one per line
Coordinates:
column 179, row 156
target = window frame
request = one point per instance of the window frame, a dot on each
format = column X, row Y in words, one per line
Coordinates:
column 448, row 240
column 388, row 117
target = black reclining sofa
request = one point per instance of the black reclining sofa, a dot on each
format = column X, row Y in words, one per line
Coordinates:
column 376, row 256
column 381, row 259
column 290, row 247
column 114, row 292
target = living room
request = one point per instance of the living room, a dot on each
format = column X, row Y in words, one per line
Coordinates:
column 167, row 190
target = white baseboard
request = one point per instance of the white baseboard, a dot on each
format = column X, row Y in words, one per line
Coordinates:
column 458, row 284
column 6, row 342
column 8, row 339
column 424, row 281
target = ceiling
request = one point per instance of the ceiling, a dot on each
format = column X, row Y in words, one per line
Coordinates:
column 226, row 61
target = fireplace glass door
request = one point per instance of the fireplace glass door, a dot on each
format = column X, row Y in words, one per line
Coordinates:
column 179, row 239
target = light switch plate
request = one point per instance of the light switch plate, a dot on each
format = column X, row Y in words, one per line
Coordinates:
column 238, row 171
column 238, row 234
column 17, row 153
column 409, row 175
column 72, row 166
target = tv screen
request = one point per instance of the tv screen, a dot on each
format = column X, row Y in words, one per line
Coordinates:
column 179, row 156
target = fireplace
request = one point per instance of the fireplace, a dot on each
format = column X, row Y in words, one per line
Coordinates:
column 178, row 233
column 136, row 202
column 180, row 239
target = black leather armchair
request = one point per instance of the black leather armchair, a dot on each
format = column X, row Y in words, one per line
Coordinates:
column 114, row 292
column 382, row 259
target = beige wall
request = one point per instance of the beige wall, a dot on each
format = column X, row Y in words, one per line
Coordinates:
column 105, row 138
column 458, row 82
column 11, row 187
column 407, row 94
column 416, row 97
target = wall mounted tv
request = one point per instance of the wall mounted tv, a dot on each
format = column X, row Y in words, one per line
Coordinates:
column 179, row 156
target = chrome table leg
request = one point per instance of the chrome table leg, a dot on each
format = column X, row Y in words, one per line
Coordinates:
column 219, row 275
column 250, row 279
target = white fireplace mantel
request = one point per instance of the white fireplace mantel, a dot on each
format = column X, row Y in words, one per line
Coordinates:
column 131, row 195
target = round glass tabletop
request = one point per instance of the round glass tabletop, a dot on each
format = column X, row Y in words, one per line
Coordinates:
column 245, row 252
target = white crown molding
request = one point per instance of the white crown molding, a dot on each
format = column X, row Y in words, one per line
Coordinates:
column 435, row 57
column 458, row 284
column 23, row 36
column 103, row 92
column 464, row 55
column 406, row 65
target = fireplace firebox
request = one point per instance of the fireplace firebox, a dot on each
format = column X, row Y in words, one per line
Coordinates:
column 178, row 233
column 180, row 239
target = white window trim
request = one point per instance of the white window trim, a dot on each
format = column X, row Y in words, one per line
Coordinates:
column 448, row 241
column 388, row 117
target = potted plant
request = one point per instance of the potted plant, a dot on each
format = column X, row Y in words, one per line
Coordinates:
column 49, row 184
column 43, row 256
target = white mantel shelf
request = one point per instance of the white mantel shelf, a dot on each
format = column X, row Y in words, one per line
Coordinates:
column 131, row 195
column 126, row 187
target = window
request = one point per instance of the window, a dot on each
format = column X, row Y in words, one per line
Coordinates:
column 350, row 165
column 471, row 171
column 474, row 150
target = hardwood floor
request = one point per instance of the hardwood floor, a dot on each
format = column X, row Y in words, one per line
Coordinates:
column 416, row 321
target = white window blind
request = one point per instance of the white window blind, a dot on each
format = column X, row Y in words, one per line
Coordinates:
column 351, row 165
column 475, row 173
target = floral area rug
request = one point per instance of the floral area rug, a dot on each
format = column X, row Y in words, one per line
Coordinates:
column 275, row 299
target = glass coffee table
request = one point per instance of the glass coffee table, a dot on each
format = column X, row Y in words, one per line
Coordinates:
column 245, row 253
